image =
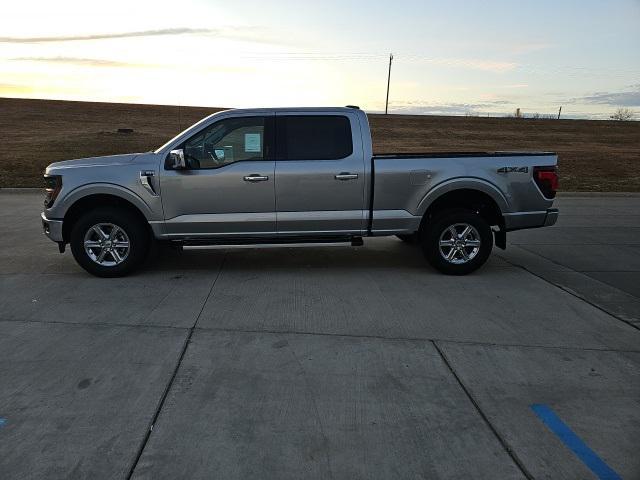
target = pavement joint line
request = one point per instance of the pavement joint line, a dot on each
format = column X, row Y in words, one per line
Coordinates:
column 169, row 385
column 325, row 439
column 510, row 451
column 532, row 252
column 610, row 271
column 414, row 339
column 91, row 324
column 325, row 334
column 571, row 292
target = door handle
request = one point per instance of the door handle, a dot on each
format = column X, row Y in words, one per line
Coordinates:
column 346, row 176
column 255, row 178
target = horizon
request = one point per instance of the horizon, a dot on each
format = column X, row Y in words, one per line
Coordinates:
column 470, row 58
column 497, row 115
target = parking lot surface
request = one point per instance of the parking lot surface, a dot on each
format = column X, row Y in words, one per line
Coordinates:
column 325, row 361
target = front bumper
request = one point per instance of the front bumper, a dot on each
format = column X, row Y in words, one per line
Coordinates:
column 522, row 220
column 52, row 228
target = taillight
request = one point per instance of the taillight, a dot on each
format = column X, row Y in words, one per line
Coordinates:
column 52, row 186
column 547, row 180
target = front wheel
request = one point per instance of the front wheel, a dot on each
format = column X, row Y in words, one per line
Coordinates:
column 457, row 242
column 109, row 242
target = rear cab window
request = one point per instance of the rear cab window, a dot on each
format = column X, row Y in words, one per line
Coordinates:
column 313, row 137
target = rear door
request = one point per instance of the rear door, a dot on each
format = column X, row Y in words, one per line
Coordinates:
column 228, row 188
column 319, row 174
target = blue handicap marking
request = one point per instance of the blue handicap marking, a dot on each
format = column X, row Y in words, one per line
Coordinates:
column 2, row 421
column 574, row 443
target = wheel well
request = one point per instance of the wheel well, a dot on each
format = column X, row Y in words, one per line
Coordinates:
column 475, row 200
column 90, row 202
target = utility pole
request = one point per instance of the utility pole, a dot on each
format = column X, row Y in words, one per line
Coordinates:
column 559, row 112
column 386, row 105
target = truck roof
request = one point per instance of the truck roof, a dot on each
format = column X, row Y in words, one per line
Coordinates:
column 293, row 109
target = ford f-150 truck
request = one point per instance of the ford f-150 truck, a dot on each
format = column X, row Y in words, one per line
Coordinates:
column 287, row 175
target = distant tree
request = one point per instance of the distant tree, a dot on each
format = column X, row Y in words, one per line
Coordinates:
column 622, row 114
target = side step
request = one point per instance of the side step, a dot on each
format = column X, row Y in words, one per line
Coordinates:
column 355, row 241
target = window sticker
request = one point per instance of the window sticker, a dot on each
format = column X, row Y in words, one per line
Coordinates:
column 252, row 142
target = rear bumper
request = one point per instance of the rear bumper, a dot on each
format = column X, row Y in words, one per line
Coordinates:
column 522, row 220
column 52, row 228
column 552, row 217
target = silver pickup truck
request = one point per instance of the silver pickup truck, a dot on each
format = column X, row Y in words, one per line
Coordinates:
column 289, row 175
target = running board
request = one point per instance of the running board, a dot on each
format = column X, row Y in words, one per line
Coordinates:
column 355, row 241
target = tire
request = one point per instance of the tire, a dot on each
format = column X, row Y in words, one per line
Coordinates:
column 465, row 254
column 408, row 238
column 109, row 242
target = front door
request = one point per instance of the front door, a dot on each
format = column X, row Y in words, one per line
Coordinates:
column 319, row 174
column 227, row 188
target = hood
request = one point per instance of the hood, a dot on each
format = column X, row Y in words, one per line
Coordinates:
column 95, row 161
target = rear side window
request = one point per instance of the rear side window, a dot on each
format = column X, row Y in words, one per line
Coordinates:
column 310, row 137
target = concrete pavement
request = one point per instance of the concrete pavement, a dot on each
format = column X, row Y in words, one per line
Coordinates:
column 323, row 362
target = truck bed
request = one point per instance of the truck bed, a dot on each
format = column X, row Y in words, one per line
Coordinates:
column 459, row 154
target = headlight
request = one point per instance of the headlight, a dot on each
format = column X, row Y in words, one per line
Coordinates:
column 52, row 186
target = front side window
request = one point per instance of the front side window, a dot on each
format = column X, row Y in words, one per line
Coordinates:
column 314, row 137
column 227, row 141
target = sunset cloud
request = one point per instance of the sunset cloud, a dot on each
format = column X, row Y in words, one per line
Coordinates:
column 105, row 36
column 497, row 66
column 89, row 62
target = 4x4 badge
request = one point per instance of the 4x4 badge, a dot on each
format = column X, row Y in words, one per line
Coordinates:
column 513, row 170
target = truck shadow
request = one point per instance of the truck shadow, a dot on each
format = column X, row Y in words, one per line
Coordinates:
column 375, row 254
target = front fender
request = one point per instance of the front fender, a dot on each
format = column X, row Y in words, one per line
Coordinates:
column 63, row 204
column 467, row 183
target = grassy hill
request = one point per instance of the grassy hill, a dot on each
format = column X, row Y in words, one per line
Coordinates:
column 594, row 155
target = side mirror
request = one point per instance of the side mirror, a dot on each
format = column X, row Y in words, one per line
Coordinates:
column 177, row 159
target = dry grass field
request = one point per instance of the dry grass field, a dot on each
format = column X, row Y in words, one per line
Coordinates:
column 594, row 155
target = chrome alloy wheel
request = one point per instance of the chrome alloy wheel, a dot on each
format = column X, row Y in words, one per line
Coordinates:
column 106, row 244
column 459, row 243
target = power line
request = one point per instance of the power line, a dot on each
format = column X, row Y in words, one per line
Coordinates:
column 478, row 64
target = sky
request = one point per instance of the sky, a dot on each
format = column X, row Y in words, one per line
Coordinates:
column 450, row 57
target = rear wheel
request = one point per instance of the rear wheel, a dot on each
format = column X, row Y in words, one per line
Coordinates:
column 457, row 242
column 109, row 242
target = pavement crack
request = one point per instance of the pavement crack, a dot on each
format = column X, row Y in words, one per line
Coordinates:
column 174, row 374
column 415, row 339
column 494, row 430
